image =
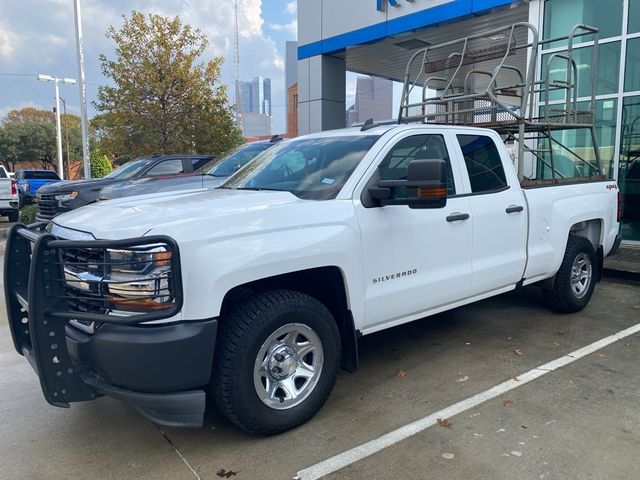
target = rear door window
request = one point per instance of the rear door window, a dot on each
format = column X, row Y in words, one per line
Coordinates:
column 483, row 162
column 167, row 167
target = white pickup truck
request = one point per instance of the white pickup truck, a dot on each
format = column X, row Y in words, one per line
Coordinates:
column 8, row 195
column 256, row 293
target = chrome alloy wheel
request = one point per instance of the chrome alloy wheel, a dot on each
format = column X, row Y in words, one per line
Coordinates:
column 581, row 275
column 288, row 366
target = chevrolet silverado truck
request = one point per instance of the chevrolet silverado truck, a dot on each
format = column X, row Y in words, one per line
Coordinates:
column 259, row 294
column 9, row 201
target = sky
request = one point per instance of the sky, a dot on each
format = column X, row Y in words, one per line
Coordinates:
column 38, row 36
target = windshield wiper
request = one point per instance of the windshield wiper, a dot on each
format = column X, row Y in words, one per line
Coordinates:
column 260, row 189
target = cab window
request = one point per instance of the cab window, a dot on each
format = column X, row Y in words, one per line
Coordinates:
column 484, row 165
column 417, row 147
column 168, row 167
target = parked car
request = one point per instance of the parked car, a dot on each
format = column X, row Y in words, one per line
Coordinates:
column 9, row 202
column 30, row 181
column 257, row 292
column 211, row 175
column 65, row 196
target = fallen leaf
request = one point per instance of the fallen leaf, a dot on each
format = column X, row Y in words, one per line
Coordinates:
column 222, row 473
column 517, row 351
column 401, row 373
column 599, row 355
column 506, row 403
column 557, row 344
column 443, row 422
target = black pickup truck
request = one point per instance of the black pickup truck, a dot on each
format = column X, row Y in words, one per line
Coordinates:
column 61, row 197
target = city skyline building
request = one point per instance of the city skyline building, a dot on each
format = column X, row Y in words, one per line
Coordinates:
column 374, row 99
column 254, row 100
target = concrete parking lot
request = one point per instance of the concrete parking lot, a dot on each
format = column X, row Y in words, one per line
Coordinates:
column 580, row 421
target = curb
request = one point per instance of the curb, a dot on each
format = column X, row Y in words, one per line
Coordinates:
column 621, row 274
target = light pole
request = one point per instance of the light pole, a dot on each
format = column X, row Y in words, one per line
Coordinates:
column 66, row 134
column 56, row 81
column 83, row 90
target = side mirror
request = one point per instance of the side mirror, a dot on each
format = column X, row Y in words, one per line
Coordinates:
column 425, row 186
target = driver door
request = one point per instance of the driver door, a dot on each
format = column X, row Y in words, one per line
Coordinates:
column 415, row 260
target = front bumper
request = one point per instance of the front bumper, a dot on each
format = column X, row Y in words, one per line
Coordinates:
column 160, row 369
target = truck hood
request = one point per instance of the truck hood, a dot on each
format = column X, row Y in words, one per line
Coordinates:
column 185, row 215
column 149, row 185
column 61, row 187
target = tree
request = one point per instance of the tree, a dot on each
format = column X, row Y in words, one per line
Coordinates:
column 100, row 164
column 163, row 99
column 29, row 115
column 29, row 134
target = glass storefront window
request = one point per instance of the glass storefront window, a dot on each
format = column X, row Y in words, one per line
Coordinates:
column 560, row 16
column 608, row 70
column 632, row 66
column 634, row 16
column 629, row 172
column 574, row 160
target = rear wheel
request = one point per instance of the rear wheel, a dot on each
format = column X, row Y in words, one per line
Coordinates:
column 574, row 283
column 276, row 361
column 13, row 216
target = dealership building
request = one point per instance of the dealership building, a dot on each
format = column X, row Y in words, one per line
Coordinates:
column 378, row 37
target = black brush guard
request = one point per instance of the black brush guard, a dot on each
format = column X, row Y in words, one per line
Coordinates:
column 39, row 310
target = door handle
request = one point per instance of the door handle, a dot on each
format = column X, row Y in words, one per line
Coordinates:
column 457, row 217
column 514, row 209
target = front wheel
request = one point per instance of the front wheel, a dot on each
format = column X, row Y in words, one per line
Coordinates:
column 574, row 283
column 276, row 361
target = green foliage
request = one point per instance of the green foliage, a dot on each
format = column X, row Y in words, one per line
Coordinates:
column 163, row 98
column 28, row 214
column 30, row 135
column 100, row 164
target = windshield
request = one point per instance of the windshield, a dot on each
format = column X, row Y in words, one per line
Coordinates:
column 129, row 169
column 313, row 168
column 41, row 176
column 234, row 161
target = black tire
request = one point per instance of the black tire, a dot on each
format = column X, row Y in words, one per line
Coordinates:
column 13, row 216
column 564, row 297
column 243, row 334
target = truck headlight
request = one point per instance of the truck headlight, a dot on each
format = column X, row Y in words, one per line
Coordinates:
column 67, row 197
column 139, row 279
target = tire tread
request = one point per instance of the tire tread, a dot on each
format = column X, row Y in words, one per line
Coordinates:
column 234, row 330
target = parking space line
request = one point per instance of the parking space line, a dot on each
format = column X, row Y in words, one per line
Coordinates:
column 371, row 447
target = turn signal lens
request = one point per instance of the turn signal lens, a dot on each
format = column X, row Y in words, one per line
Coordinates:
column 428, row 192
column 162, row 259
column 134, row 304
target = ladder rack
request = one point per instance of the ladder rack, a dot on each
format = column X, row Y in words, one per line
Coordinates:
column 465, row 82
